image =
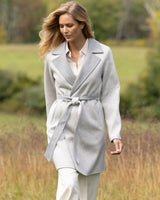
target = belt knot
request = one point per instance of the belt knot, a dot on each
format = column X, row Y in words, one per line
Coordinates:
column 75, row 100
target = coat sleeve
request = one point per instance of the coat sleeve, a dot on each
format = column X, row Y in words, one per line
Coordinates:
column 111, row 97
column 49, row 85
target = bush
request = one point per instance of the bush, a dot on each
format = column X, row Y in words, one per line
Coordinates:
column 34, row 98
column 12, row 83
column 30, row 100
column 19, row 93
column 143, row 99
column 6, row 84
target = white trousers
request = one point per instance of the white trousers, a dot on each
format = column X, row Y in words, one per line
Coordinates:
column 75, row 186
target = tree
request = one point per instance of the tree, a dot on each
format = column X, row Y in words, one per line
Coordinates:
column 21, row 19
column 28, row 15
column 6, row 19
column 153, row 8
column 132, row 21
column 104, row 16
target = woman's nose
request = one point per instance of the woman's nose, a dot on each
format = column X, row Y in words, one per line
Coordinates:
column 65, row 29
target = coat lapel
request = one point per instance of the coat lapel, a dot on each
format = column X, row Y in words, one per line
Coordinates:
column 90, row 63
column 62, row 64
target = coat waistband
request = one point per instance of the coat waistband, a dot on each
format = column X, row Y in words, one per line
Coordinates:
column 63, row 120
column 77, row 100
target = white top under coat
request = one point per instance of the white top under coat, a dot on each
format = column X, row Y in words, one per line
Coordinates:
column 82, row 55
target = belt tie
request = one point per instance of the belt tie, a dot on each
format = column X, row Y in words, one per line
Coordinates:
column 63, row 120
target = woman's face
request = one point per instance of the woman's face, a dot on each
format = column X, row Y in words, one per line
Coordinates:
column 70, row 28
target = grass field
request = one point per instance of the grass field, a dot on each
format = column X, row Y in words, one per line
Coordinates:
column 26, row 175
column 130, row 61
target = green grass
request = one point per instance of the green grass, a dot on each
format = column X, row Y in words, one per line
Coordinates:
column 21, row 58
column 130, row 61
column 18, row 122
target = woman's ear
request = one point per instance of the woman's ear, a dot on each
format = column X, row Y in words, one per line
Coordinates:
column 82, row 25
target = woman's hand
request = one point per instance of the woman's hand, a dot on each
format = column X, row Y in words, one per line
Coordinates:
column 118, row 145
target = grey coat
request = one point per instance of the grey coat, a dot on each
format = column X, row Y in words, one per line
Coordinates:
column 81, row 105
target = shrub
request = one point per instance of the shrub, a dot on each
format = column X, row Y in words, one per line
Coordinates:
column 19, row 93
column 32, row 99
column 6, row 84
column 29, row 100
column 12, row 83
column 143, row 99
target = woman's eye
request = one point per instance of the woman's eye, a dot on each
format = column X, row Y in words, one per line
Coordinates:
column 70, row 25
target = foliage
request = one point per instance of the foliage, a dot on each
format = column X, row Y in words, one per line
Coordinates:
column 12, row 83
column 21, row 93
column 133, row 20
column 153, row 8
column 6, row 85
column 142, row 98
column 22, row 19
column 28, row 20
column 118, row 19
column 104, row 18
column 29, row 100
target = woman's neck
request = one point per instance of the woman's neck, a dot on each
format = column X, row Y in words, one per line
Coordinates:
column 77, row 45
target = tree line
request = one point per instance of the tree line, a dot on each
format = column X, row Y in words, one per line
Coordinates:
column 20, row 21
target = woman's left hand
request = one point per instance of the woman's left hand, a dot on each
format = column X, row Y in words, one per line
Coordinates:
column 118, row 145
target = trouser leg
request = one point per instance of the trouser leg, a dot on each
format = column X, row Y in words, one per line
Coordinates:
column 88, row 186
column 68, row 188
column 75, row 186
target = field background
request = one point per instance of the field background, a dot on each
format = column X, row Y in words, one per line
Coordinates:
column 26, row 175
column 130, row 61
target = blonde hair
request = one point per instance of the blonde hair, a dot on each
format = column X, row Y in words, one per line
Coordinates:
column 50, row 34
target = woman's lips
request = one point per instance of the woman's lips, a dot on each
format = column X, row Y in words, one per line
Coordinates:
column 67, row 36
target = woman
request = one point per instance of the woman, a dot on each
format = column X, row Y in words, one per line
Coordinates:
column 82, row 93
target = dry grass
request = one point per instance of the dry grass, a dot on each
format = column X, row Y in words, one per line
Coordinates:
column 134, row 175
column 25, row 174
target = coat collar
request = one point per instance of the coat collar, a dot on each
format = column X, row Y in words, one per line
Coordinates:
column 94, row 47
column 90, row 63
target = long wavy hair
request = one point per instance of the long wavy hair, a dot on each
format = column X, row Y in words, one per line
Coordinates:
column 50, row 34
